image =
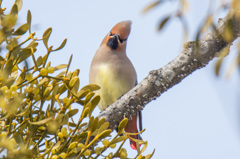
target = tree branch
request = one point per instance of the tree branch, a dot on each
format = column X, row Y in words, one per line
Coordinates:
column 195, row 55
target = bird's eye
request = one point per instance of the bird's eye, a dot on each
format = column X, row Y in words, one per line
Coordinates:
column 110, row 34
column 121, row 41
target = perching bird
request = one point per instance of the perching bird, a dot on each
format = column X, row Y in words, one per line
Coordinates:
column 113, row 71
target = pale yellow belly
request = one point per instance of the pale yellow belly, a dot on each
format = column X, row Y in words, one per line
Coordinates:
column 112, row 86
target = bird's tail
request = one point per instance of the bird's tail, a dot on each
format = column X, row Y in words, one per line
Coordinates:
column 131, row 127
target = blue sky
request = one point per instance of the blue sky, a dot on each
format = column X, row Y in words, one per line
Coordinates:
column 196, row 118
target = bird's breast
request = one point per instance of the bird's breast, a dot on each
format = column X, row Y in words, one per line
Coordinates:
column 114, row 82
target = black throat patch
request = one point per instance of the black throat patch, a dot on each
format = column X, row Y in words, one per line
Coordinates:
column 113, row 43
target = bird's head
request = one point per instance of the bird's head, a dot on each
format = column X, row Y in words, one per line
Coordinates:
column 116, row 39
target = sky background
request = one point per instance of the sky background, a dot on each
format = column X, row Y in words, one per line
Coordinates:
column 198, row 118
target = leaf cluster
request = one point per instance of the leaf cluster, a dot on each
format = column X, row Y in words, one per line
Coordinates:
column 36, row 118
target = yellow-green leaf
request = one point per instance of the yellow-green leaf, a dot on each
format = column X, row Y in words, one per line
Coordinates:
column 62, row 89
column 144, row 147
column 24, row 54
column 72, row 112
column 44, row 80
column 62, row 45
column 82, row 93
column 123, row 153
column 8, row 67
column 29, row 20
column 46, row 36
column 152, row 5
column 74, row 83
column 119, row 139
column 61, row 66
column 94, row 103
column 57, row 145
column 150, row 155
column 103, row 127
column 218, row 66
column 91, row 87
column 41, row 122
column 88, row 97
column 85, row 113
column 39, row 61
column 163, row 23
column 19, row 4
column 104, row 134
column 83, row 135
column 95, row 124
column 22, row 29
column 90, row 123
column 72, row 124
column 122, row 124
column 101, row 121
column 21, row 78
column 14, row 9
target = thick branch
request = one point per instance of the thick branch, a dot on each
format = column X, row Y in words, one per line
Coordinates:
column 195, row 55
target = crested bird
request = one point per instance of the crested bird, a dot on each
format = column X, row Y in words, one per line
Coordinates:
column 112, row 70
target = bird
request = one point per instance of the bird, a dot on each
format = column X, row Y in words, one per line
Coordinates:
column 112, row 70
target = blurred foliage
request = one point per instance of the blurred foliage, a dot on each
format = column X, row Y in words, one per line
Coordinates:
column 36, row 119
column 208, row 24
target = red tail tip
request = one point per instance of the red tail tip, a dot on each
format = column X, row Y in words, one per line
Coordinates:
column 133, row 145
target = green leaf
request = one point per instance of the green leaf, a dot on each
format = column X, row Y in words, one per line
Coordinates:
column 8, row 67
column 19, row 4
column 72, row 112
column 69, row 62
column 46, row 36
column 88, row 97
column 104, row 134
column 150, row 155
column 163, row 22
column 122, row 124
column 85, row 113
column 152, row 5
column 55, row 90
column 119, row 139
column 21, row 30
column 57, row 145
column 44, row 80
column 61, row 46
column 41, row 122
column 29, row 20
column 103, row 127
column 94, row 103
column 14, row 9
column 218, row 66
column 33, row 44
column 91, row 87
column 61, row 66
column 90, row 123
column 101, row 121
column 11, row 79
column 72, row 124
column 123, row 153
column 144, row 147
column 21, row 78
column 62, row 89
column 39, row 61
column 24, row 54
column 83, row 135
column 47, row 91
column 95, row 124
column 82, row 94
column 74, row 84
